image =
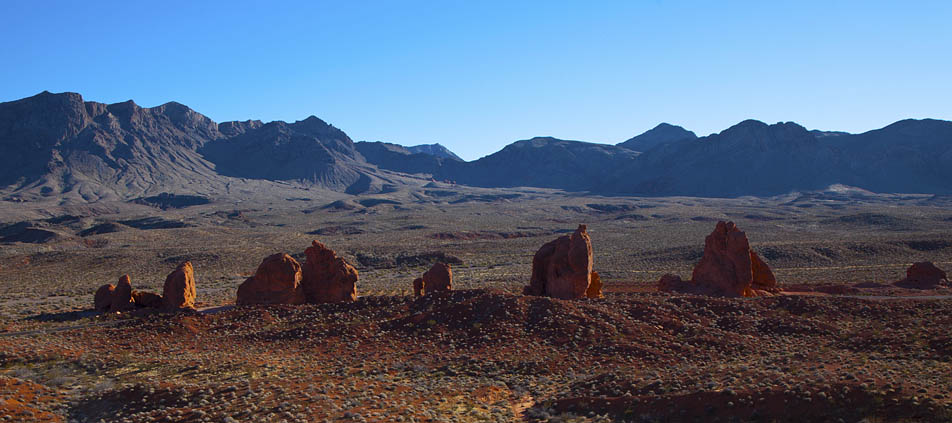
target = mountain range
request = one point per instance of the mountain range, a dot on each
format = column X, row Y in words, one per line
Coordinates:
column 60, row 145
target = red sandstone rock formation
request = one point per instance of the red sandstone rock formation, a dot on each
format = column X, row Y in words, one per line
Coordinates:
column 438, row 278
column 147, row 299
column 179, row 289
column 122, row 296
column 103, row 299
column 562, row 268
column 277, row 281
column 669, row 282
column 418, row 287
column 729, row 267
column 923, row 275
column 595, row 287
column 327, row 277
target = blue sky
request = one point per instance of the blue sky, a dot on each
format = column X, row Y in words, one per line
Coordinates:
column 477, row 75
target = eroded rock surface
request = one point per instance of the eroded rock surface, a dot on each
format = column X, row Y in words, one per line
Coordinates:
column 594, row 287
column 438, row 278
column 327, row 277
column 418, row 287
column 276, row 281
column 179, row 289
column 729, row 267
column 122, row 295
column 923, row 275
column 103, row 298
column 147, row 299
column 562, row 268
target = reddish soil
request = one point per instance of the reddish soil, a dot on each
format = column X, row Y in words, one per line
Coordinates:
column 487, row 355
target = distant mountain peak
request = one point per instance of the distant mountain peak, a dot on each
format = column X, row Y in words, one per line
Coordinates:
column 662, row 134
column 436, row 149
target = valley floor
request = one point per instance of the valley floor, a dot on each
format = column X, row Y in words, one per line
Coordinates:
column 483, row 352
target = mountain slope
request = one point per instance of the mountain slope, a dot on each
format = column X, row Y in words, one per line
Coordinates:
column 59, row 146
column 750, row 158
column 541, row 162
column 436, row 150
column 309, row 150
column 57, row 143
column 63, row 148
column 405, row 159
column 906, row 156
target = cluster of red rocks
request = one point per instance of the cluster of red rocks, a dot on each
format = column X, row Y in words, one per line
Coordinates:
column 280, row 279
column 177, row 293
column 562, row 268
column 729, row 267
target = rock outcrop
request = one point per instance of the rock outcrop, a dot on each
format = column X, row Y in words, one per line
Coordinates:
column 276, row 281
column 923, row 275
column 147, row 299
column 179, row 289
column 438, row 278
column 327, row 277
column 594, row 287
column 418, row 287
column 563, row 268
column 103, row 298
column 729, row 268
column 122, row 295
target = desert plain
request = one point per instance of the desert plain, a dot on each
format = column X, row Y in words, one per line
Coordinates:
column 824, row 350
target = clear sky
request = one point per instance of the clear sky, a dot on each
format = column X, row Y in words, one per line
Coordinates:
column 477, row 75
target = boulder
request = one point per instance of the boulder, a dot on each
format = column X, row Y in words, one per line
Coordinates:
column 438, row 278
column 729, row 267
column 594, row 287
column 669, row 282
column 923, row 275
column 122, row 295
column 562, row 268
column 276, row 281
column 418, row 287
column 147, row 299
column 327, row 278
column 103, row 299
column 179, row 289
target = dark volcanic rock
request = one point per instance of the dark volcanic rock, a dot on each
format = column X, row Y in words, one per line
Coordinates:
column 27, row 232
column 150, row 223
column 167, row 201
column 102, row 228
